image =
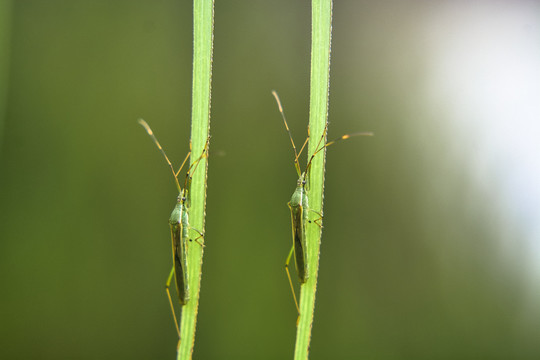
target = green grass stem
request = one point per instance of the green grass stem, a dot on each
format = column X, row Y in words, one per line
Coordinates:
column 318, row 113
column 203, row 27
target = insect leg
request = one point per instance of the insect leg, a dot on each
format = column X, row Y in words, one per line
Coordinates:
column 167, row 286
column 201, row 235
column 318, row 220
column 287, row 262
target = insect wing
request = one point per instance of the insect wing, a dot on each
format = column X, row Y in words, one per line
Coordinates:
column 179, row 256
column 299, row 242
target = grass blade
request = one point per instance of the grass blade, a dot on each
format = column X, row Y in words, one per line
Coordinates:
column 203, row 26
column 318, row 113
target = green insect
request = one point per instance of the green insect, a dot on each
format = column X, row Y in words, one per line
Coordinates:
column 299, row 204
column 179, row 224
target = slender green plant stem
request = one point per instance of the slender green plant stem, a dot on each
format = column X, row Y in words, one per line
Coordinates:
column 318, row 113
column 203, row 26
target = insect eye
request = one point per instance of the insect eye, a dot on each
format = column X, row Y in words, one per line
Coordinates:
column 183, row 198
column 303, row 182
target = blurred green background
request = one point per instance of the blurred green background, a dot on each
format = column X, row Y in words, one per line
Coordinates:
column 431, row 241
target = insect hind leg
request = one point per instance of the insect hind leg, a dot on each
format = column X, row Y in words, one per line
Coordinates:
column 167, row 289
column 287, row 262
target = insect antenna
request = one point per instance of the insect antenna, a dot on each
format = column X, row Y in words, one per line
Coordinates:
column 145, row 125
column 320, row 148
column 296, row 154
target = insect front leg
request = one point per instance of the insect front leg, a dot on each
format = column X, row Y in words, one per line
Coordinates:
column 201, row 235
column 317, row 221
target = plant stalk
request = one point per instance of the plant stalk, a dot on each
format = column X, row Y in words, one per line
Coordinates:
column 203, row 27
column 318, row 113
